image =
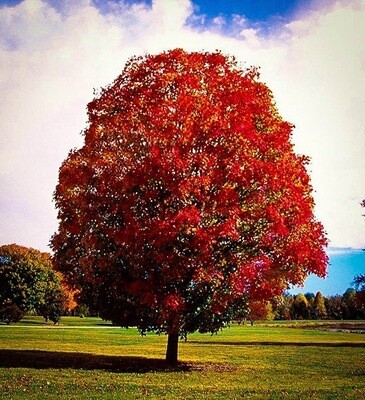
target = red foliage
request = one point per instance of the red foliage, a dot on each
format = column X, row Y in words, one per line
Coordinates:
column 258, row 310
column 186, row 198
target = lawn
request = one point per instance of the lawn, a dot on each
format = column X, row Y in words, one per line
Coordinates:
column 90, row 359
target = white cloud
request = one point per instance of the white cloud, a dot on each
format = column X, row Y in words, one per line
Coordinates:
column 52, row 59
column 219, row 21
column 343, row 250
column 325, row 66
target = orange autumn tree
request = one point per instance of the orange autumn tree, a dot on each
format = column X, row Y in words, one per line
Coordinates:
column 186, row 200
column 69, row 300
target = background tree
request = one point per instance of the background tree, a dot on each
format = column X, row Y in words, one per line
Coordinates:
column 10, row 312
column 360, row 305
column 69, row 303
column 186, row 199
column 27, row 283
column 259, row 310
column 334, row 306
column 310, row 298
column 283, row 306
column 301, row 307
column 319, row 308
column 56, row 299
column 359, row 283
column 349, row 304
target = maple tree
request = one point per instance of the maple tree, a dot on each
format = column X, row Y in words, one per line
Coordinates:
column 259, row 310
column 186, row 199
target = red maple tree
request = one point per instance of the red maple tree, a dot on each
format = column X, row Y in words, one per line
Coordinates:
column 187, row 198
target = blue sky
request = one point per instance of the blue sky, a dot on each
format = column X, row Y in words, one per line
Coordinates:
column 54, row 53
column 256, row 10
column 262, row 14
column 344, row 265
column 259, row 13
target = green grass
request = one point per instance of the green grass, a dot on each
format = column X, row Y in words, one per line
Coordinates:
column 89, row 359
column 36, row 320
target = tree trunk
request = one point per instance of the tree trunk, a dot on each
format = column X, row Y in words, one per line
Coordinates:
column 171, row 351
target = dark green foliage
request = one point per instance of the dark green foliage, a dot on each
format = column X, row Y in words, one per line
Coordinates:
column 28, row 283
column 301, row 307
column 349, row 304
column 10, row 313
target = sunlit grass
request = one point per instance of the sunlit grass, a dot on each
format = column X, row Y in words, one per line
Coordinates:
column 82, row 359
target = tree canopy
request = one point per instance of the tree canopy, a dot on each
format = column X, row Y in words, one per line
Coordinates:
column 187, row 198
column 28, row 282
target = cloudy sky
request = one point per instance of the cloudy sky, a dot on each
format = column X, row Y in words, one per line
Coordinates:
column 54, row 53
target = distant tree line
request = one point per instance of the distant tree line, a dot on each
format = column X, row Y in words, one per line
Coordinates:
column 349, row 305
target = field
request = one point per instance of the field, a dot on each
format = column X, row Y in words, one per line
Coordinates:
column 89, row 359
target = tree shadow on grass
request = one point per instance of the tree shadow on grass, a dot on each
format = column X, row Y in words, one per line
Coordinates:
column 268, row 343
column 40, row 359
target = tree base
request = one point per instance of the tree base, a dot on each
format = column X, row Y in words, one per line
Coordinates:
column 172, row 348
